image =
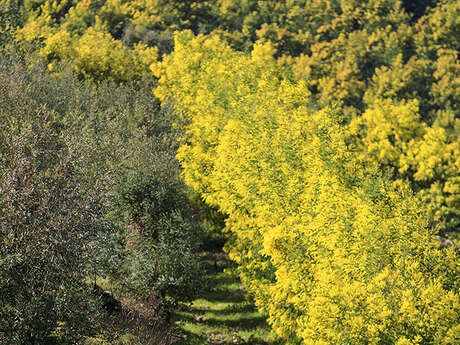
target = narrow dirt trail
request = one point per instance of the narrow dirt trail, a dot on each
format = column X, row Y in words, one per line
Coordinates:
column 222, row 315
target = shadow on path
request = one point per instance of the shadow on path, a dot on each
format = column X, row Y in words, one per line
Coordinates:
column 223, row 314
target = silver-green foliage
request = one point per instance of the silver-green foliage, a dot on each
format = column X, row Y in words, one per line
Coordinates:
column 49, row 215
column 82, row 166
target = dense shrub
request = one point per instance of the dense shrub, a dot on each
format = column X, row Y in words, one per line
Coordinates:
column 162, row 233
column 328, row 244
column 50, row 212
column 89, row 188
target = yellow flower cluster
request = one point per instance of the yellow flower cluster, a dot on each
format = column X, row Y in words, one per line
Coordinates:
column 333, row 251
column 83, row 38
column 392, row 133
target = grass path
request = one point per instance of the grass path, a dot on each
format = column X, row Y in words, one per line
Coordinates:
column 222, row 315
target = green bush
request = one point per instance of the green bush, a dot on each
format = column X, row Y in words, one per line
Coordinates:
column 49, row 214
column 82, row 165
column 161, row 233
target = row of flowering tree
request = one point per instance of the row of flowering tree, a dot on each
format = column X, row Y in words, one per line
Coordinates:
column 329, row 243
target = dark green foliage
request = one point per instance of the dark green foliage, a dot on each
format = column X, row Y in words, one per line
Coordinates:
column 83, row 168
column 10, row 19
column 163, row 40
column 418, row 8
column 161, row 236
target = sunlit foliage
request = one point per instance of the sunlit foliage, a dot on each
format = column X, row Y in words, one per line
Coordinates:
column 328, row 245
column 327, row 131
column 86, row 34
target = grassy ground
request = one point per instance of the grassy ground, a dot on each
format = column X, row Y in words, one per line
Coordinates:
column 222, row 315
